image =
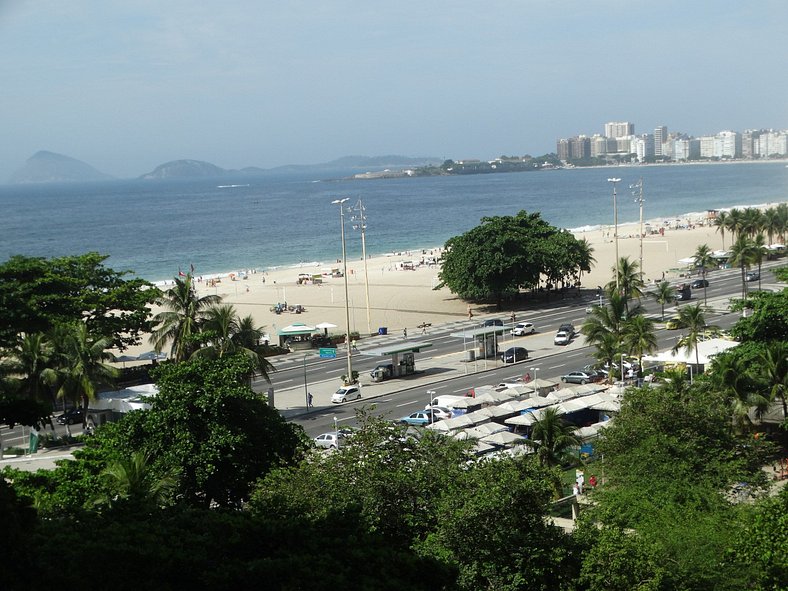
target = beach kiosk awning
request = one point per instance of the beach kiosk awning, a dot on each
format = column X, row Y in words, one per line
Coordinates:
column 296, row 329
column 706, row 350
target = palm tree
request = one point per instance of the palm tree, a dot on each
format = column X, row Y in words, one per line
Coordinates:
column 585, row 256
column 742, row 255
column 131, row 480
column 759, row 252
column 639, row 338
column 81, row 359
column 751, row 222
column 693, row 320
column 704, row 259
column 664, row 294
column 29, row 364
column 721, row 222
column 607, row 350
column 180, row 323
column 728, row 373
column 771, row 223
column 630, row 280
column 782, row 221
column 228, row 334
column 734, row 222
column 772, row 371
column 553, row 438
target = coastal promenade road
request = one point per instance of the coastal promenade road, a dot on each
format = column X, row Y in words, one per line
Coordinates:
column 443, row 368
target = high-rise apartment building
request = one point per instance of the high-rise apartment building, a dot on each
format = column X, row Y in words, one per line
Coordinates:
column 562, row 149
column 727, row 144
column 580, row 148
column 660, row 137
column 617, row 129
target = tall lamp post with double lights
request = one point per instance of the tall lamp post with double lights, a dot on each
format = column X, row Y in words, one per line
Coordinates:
column 637, row 191
column 359, row 220
column 341, row 203
column 615, row 228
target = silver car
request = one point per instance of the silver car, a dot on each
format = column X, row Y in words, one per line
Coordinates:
column 346, row 393
column 332, row 440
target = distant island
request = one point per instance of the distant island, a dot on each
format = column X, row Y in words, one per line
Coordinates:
column 49, row 167
column 462, row 167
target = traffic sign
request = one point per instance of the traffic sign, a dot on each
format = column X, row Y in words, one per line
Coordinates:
column 328, row 353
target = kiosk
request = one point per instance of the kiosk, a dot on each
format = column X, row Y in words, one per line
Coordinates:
column 403, row 361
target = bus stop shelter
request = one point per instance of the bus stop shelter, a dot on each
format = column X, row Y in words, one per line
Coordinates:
column 483, row 341
column 402, row 353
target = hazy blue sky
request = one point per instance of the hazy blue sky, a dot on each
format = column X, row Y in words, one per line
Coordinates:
column 127, row 85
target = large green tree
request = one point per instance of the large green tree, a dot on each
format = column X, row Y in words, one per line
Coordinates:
column 503, row 254
column 37, row 294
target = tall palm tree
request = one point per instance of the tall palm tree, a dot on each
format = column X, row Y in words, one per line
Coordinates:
column 721, row 222
column 782, row 221
column 703, row 260
column 742, row 256
column 639, row 338
column 759, row 253
column 179, row 324
column 83, row 366
column 665, row 293
column 228, row 334
column 607, row 351
column 553, row 439
column 771, row 223
column 752, row 221
column 692, row 319
column 630, row 280
column 734, row 222
column 585, row 256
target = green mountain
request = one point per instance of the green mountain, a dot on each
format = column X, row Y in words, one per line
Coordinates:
column 48, row 167
column 184, row 169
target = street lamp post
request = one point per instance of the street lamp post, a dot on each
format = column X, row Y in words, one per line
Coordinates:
column 341, row 203
column 637, row 191
column 336, row 430
column 615, row 227
column 431, row 393
column 361, row 224
column 536, row 376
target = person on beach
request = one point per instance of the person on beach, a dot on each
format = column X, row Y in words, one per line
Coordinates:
column 470, row 313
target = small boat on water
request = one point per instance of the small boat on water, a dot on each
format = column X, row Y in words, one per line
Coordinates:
column 230, row 186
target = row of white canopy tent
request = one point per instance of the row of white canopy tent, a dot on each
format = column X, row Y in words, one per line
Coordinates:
column 521, row 407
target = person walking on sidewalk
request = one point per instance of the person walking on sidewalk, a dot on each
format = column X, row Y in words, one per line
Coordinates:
column 309, row 400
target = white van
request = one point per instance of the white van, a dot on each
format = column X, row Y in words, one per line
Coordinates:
column 445, row 400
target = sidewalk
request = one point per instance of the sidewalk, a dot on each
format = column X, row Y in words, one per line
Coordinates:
column 43, row 459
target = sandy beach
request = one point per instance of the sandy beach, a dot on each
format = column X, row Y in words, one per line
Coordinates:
column 401, row 298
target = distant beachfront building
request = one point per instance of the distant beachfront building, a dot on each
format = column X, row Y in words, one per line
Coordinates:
column 600, row 146
column 772, row 143
column 562, row 149
column 686, row 149
column 643, row 146
column 580, row 147
column 660, row 137
column 706, row 146
column 727, row 144
column 616, row 129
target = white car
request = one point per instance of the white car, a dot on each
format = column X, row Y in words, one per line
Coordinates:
column 346, row 393
column 523, row 328
column 331, row 440
column 440, row 412
column 562, row 338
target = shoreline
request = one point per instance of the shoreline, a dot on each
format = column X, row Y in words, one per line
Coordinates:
column 688, row 218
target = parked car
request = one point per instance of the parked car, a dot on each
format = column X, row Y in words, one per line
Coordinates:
column 752, row 276
column 699, row 283
column 382, row 372
column 562, row 338
column 514, row 354
column 346, row 393
column 440, row 412
column 580, row 377
column 523, row 328
column 331, row 440
column 600, row 372
column 493, row 322
column 71, row 417
column 420, row 418
column 568, row 328
column 673, row 324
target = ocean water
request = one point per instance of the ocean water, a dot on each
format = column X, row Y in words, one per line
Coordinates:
column 155, row 228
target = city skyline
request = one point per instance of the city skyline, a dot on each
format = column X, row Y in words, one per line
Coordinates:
column 128, row 86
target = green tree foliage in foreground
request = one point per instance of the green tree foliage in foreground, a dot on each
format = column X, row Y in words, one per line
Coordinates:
column 505, row 253
column 37, row 294
column 670, row 463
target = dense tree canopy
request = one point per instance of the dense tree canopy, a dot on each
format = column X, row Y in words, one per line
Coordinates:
column 37, row 294
column 506, row 253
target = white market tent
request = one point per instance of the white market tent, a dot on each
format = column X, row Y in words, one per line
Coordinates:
column 706, row 350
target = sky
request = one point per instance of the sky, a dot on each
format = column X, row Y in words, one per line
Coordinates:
column 126, row 85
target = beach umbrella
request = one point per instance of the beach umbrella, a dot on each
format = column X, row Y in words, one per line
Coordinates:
column 325, row 326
